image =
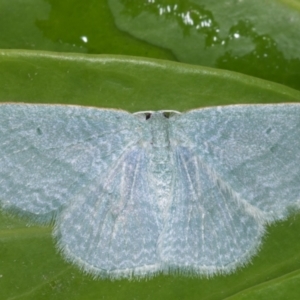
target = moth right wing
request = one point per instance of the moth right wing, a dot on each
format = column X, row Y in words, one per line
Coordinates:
column 254, row 148
column 210, row 229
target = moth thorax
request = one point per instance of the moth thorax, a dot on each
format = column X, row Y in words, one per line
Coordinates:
column 159, row 130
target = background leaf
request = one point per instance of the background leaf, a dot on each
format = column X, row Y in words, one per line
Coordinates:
column 259, row 38
column 68, row 26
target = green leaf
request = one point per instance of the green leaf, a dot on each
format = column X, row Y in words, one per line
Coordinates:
column 31, row 267
column 259, row 38
column 70, row 26
column 242, row 36
column 127, row 82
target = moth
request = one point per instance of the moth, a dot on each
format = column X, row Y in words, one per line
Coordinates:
column 133, row 195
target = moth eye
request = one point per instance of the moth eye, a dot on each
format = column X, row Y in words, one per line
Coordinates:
column 167, row 114
column 147, row 116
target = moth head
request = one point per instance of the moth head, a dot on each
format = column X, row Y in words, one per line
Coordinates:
column 161, row 114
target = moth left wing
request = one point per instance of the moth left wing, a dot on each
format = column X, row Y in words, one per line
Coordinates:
column 111, row 228
column 50, row 152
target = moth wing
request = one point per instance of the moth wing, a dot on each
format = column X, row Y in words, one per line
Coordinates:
column 209, row 229
column 50, row 152
column 111, row 229
column 253, row 148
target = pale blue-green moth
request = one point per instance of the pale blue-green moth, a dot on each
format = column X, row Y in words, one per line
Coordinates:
column 133, row 195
